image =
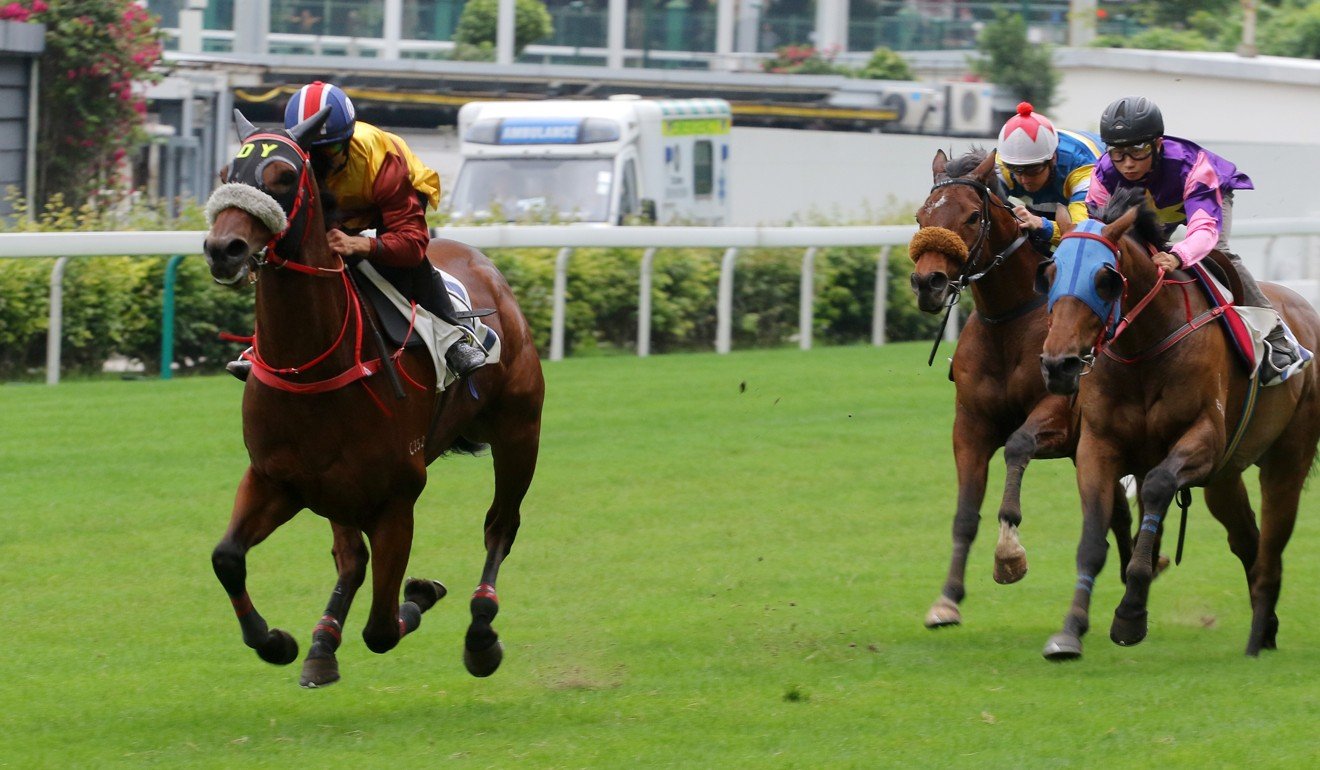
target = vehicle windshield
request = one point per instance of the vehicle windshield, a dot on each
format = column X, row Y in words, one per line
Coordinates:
column 542, row 189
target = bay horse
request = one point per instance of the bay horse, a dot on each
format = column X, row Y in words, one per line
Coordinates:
column 969, row 237
column 1169, row 404
column 323, row 433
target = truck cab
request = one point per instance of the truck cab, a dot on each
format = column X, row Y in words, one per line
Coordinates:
column 606, row 162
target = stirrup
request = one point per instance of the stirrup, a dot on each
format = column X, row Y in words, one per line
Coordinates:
column 240, row 368
column 465, row 358
column 1284, row 358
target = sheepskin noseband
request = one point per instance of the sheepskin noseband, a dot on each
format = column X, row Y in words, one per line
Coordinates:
column 253, row 201
column 940, row 240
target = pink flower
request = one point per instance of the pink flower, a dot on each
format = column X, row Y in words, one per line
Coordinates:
column 14, row 12
column 39, row 7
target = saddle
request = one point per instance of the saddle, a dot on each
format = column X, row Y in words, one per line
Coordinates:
column 402, row 326
column 1220, row 284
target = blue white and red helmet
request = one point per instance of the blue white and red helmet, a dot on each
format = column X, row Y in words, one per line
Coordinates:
column 310, row 99
column 1027, row 138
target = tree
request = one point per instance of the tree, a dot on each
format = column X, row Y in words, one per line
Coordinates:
column 1292, row 31
column 1025, row 69
column 477, row 24
column 91, row 108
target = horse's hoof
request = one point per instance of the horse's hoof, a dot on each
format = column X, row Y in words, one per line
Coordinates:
column 1062, row 646
column 319, row 672
column 1126, row 632
column 424, row 593
column 484, row 662
column 280, row 648
column 943, row 613
column 1010, row 569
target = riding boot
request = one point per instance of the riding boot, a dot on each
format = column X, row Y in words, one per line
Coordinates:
column 429, row 291
column 240, row 367
column 1284, row 355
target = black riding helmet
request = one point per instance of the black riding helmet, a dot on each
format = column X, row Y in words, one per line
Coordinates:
column 1131, row 120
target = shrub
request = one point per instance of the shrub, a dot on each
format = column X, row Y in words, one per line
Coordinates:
column 884, row 64
column 803, row 60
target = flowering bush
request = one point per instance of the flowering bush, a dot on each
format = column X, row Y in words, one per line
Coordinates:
column 90, row 116
column 803, row 60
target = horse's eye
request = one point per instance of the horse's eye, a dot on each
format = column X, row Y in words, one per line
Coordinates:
column 974, row 219
column 287, row 177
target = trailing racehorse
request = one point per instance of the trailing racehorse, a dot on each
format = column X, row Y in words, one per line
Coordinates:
column 970, row 238
column 325, row 431
column 1164, row 399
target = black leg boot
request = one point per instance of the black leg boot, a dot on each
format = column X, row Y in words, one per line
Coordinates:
column 428, row 290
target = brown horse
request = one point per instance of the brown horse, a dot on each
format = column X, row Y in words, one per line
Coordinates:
column 322, row 433
column 970, row 237
column 1169, row 404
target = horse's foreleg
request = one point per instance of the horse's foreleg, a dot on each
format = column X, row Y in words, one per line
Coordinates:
column 972, row 448
column 391, row 543
column 1189, row 462
column 514, row 459
column 259, row 509
column 321, row 667
column 1044, row 434
column 1121, row 525
column 1096, row 469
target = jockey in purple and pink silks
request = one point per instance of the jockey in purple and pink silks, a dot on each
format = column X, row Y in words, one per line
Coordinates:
column 1187, row 185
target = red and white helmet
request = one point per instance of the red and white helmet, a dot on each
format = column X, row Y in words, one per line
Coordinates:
column 1027, row 138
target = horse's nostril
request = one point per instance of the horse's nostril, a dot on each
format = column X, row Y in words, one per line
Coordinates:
column 938, row 281
column 236, row 248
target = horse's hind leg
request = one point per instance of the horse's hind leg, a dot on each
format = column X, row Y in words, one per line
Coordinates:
column 321, row 667
column 1281, row 479
column 515, row 461
column 259, row 509
column 391, row 543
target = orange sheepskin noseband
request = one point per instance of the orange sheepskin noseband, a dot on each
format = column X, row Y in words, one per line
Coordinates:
column 937, row 239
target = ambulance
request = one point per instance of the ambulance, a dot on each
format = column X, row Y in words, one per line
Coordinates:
column 623, row 160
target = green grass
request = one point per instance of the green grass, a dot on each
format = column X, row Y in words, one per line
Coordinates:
column 724, row 562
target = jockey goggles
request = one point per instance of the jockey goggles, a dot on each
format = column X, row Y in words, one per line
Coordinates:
column 1031, row 169
column 1133, row 151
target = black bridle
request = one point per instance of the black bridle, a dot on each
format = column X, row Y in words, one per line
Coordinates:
column 978, row 248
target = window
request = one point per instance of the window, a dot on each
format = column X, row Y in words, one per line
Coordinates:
column 703, row 168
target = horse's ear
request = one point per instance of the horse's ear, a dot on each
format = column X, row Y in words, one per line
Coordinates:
column 1063, row 220
column 310, row 126
column 1115, row 230
column 224, row 173
column 243, row 126
column 939, row 164
column 1044, row 276
column 1108, row 284
column 985, row 170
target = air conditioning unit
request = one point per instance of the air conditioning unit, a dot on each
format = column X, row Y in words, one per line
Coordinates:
column 969, row 109
column 923, row 109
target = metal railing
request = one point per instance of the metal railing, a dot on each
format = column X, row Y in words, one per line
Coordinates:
column 566, row 238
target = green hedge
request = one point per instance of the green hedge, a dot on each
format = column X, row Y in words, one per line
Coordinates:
column 113, row 305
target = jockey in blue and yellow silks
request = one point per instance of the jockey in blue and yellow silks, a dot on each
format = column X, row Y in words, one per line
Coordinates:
column 1045, row 167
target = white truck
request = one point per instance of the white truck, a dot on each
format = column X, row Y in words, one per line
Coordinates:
column 616, row 161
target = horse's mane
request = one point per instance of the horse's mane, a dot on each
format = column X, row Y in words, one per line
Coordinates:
column 967, row 162
column 1147, row 229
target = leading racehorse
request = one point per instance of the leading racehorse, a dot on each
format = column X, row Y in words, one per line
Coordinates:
column 969, row 237
column 323, row 428
column 1163, row 399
